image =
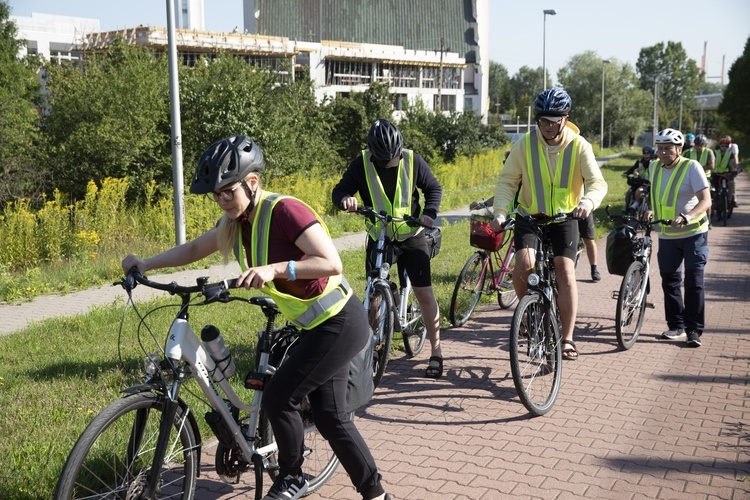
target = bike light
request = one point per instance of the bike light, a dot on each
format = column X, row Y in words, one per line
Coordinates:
column 385, row 269
column 533, row 279
column 151, row 364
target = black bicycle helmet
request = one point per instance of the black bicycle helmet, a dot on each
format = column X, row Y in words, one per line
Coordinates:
column 226, row 162
column 701, row 140
column 646, row 150
column 385, row 142
column 552, row 102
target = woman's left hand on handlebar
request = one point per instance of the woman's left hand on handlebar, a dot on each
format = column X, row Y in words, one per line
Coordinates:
column 132, row 261
column 256, row 277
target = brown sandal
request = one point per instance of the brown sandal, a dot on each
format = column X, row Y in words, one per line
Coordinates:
column 569, row 351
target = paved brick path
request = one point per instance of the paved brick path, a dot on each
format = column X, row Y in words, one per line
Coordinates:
column 657, row 421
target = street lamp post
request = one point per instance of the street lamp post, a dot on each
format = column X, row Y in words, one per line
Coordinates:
column 550, row 12
column 601, row 129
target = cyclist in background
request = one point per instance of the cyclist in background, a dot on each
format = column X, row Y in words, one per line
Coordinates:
column 284, row 249
column 689, row 138
column 388, row 178
column 705, row 156
column 679, row 192
column 563, row 175
column 637, row 175
column 726, row 162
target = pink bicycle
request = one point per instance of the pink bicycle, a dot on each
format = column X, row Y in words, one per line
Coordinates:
column 486, row 272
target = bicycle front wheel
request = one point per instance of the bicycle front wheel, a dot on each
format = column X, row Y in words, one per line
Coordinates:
column 114, row 455
column 468, row 289
column 380, row 317
column 415, row 332
column 535, row 355
column 319, row 460
column 631, row 305
column 724, row 203
column 506, row 294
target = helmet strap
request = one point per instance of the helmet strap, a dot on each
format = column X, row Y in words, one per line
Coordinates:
column 250, row 195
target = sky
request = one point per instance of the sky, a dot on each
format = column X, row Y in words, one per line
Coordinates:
column 613, row 30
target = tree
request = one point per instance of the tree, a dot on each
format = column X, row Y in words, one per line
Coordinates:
column 735, row 105
column 525, row 87
column 19, row 124
column 500, row 91
column 626, row 107
column 679, row 78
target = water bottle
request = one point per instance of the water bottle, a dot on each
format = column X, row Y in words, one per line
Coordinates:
column 219, row 352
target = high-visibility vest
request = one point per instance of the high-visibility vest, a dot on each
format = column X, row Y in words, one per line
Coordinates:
column 549, row 195
column 693, row 155
column 664, row 201
column 722, row 161
column 401, row 205
column 304, row 313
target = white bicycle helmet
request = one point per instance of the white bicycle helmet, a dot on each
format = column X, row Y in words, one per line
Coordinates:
column 670, row 136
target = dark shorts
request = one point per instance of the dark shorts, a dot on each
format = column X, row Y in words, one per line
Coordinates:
column 414, row 257
column 586, row 227
column 564, row 237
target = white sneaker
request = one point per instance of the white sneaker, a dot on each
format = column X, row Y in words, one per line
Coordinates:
column 677, row 334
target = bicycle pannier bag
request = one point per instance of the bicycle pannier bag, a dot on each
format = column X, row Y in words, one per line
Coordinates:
column 360, row 388
column 621, row 243
column 434, row 238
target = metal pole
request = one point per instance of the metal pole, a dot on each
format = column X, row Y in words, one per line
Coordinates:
column 656, row 111
column 547, row 12
column 601, row 127
column 174, row 105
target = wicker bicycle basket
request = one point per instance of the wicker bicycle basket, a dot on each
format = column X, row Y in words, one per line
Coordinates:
column 482, row 236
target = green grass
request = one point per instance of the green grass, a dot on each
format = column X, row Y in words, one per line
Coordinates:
column 56, row 375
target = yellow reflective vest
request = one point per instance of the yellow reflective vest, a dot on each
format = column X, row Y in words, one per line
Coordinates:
column 722, row 161
column 665, row 204
column 304, row 313
column 401, row 205
column 693, row 155
column 550, row 195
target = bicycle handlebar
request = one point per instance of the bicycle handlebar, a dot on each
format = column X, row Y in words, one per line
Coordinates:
column 637, row 221
column 385, row 217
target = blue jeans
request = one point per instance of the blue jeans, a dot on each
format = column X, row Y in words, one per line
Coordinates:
column 693, row 252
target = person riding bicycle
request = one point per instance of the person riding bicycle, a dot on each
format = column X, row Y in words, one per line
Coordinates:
column 726, row 163
column 284, row 249
column 388, row 177
column 706, row 157
column 637, row 176
column 680, row 192
column 689, row 138
column 558, row 171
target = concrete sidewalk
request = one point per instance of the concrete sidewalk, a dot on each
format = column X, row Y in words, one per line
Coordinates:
column 657, row 421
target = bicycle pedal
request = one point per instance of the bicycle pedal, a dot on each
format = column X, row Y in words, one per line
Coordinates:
column 650, row 305
column 616, row 295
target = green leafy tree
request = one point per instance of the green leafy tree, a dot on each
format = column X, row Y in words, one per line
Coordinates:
column 735, row 105
column 500, row 91
column 109, row 118
column 627, row 108
column 19, row 124
column 525, row 87
column 678, row 76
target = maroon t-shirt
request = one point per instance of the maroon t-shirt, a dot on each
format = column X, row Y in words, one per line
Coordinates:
column 290, row 218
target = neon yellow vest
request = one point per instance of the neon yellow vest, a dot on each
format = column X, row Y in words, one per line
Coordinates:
column 304, row 313
column 693, row 155
column 401, row 205
column 665, row 205
column 550, row 195
column 722, row 161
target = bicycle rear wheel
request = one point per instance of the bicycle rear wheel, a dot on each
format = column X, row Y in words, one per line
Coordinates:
column 320, row 461
column 535, row 355
column 506, row 294
column 114, row 455
column 468, row 289
column 380, row 317
column 631, row 305
column 579, row 251
column 415, row 333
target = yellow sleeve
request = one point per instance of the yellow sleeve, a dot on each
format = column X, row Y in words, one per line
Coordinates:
column 509, row 178
column 594, row 185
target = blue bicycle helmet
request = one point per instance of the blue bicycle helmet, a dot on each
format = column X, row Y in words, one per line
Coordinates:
column 552, row 102
column 689, row 137
column 701, row 140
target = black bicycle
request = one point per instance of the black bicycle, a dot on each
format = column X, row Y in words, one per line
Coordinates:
column 147, row 444
column 635, row 285
column 535, row 332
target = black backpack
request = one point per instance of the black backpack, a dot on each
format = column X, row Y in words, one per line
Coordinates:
column 622, row 242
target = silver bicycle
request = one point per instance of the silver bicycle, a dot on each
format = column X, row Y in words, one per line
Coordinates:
column 147, row 444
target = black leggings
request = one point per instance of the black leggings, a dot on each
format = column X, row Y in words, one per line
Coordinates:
column 319, row 368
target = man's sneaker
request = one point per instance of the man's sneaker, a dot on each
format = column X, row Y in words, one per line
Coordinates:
column 693, row 338
column 676, row 334
column 287, row 488
column 595, row 276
